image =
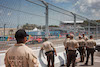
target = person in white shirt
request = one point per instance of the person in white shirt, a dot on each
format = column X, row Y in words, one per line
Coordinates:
column 49, row 51
column 90, row 50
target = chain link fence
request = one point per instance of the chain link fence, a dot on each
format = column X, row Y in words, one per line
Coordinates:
column 33, row 15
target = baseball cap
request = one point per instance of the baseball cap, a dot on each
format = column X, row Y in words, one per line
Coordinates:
column 67, row 35
column 21, row 33
column 45, row 38
column 80, row 36
column 71, row 35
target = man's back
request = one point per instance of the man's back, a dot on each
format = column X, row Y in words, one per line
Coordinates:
column 81, row 42
column 20, row 56
column 72, row 44
column 65, row 41
column 47, row 46
column 91, row 43
column 85, row 38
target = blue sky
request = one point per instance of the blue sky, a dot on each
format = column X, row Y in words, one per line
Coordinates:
column 66, row 4
column 86, row 8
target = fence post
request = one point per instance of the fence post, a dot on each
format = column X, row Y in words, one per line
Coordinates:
column 4, row 32
column 46, row 17
column 88, row 28
column 74, row 23
column 97, row 31
column 46, row 24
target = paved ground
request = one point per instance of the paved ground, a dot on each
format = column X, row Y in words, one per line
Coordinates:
column 96, row 62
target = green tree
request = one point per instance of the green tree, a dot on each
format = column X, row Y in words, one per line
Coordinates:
column 29, row 26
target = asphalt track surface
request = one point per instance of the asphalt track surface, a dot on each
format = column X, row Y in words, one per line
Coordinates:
column 5, row 45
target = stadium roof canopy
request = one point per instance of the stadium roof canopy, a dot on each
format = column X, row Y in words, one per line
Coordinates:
column 71, row 21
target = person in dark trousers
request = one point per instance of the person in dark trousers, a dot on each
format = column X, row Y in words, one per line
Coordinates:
column 71, row 55
column 49, row 51
column 65, row 41
column 90, row 50
column 84, row 37
column 82, row 44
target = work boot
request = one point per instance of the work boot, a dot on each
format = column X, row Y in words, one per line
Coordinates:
column 85, row 64
column 80, row 61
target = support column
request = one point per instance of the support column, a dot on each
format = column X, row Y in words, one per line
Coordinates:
column 4, row 32
column 97, row 31
column 46, row 17
column 74, row 23
column 46, row 24
column 88, row 28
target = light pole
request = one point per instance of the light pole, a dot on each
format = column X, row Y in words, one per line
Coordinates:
column 74, row 23
column 17, row 26
column 4, row 32
column 97, row 31
column 46, row 17
column 89, row 28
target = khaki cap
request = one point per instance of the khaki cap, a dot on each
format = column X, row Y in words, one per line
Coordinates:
column 80, row 36
column 71, row 35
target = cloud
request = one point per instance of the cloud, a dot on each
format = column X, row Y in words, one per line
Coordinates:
column 76, row 3
column 89, row 8
column 93, row 10
column 9, row 13
column 59, row 1
column 93, row 1
column 1, row 11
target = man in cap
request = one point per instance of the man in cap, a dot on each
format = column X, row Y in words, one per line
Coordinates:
column 66, row 39
column 71, row 55
column 82, row 44
column 49, row 51
column 20, row 55
column 90, row 49
column 85, row 37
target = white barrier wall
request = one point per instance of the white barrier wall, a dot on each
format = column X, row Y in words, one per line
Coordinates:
column 59, row 59
column 2, row 60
